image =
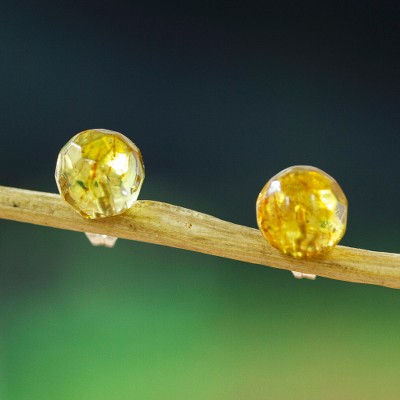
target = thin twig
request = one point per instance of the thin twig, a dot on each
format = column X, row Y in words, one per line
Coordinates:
column 169, row 225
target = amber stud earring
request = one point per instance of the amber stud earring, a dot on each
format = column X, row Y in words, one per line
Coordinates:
column 99, row 173
column 302, row 211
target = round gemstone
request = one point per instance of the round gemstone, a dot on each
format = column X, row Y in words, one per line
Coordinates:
column 99, row 173
column 302, row 211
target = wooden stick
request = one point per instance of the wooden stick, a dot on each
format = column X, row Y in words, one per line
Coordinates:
column 169, row 225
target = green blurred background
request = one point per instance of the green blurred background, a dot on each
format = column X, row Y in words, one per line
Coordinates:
column 219, row 97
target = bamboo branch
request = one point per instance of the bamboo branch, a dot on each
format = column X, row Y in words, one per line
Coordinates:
column 169, row 225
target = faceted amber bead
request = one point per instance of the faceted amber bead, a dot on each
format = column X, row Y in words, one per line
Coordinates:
column 99, row 173
column 302, row 211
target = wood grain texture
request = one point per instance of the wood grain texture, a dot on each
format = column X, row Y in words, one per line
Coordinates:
column 169, row 225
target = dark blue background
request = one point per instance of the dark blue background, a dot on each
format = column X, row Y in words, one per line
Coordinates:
column 217, row 95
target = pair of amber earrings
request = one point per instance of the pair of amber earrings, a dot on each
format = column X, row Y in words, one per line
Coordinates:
column 302, row 211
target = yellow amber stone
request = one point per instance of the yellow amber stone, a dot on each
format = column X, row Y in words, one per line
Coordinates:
column 99, row 173
column 302, row 211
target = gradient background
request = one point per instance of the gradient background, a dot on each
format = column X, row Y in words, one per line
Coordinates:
column 219, row 97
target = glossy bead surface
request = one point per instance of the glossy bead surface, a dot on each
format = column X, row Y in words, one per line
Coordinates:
column 302, row 211
column 99, row 173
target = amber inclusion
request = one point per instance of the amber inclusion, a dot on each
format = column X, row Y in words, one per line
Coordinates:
column 99, row 173
column 302, row 211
